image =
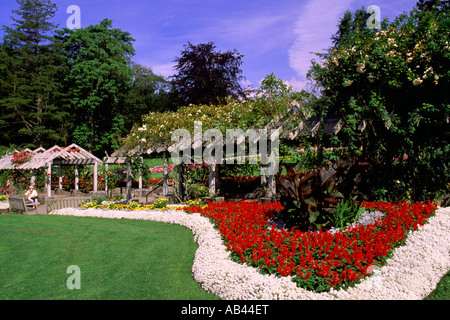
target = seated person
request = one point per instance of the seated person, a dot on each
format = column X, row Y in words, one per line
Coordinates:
column 32, row 194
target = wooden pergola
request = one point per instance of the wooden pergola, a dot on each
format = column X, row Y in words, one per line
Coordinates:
column 73, row 155
column 123, row 160
column 309, row 126
column 6, row 163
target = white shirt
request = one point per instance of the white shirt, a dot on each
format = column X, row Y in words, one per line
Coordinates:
column 31, row 194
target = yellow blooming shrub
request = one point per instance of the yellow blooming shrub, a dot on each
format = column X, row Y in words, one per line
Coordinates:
column 159, row 204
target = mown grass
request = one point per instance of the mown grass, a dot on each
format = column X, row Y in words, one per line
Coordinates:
column 442, row 292
column 118, row 259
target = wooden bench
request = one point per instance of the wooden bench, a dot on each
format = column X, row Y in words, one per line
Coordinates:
column 65, row 202
column 18, row 205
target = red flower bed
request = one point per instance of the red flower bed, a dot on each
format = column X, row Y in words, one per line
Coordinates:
column 21, row 157
column 316, row 261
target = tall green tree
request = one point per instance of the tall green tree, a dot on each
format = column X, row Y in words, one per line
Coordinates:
column 424, row 5
column 98, row 59
column 30, row 63
column 350, row 25
column 148, row 92
column 206, row 76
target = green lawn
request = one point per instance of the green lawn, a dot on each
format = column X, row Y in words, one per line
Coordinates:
column 118, row 259
column 442, row 291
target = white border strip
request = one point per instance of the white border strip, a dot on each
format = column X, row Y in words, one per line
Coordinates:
column 411, row 274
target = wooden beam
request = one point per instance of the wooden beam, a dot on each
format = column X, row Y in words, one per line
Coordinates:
column 60, row 177
column 129, row 182
column 76, row 177
column 165, row 173
column 71, row 162
column 181, row 176
column 95, row 177
column 33, row 178
column 115, row 160
column 106, row 179
column 49, row 180
column 212, row 179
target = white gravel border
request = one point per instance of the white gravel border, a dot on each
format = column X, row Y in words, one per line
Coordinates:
column 411, row 274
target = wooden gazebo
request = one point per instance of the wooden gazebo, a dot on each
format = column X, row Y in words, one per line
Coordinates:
column 72, row 155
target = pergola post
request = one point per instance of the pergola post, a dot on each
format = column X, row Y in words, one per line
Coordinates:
column 267, row 175
column 49, row 179
column 33, row 177
column 181, row 181
column 273, row 156
column 271, row 187
column 76, row 178
column 106, row 179
column 140, row 174
column 263, row 179
column 129, row 180
column 95, row 177
column 212, row 178
column 165, row 173
column 60, row 177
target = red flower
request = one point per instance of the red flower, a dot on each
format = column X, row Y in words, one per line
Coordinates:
column 245, row 228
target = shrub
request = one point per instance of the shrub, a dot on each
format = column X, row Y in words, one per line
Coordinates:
column 390, row 89
column 160, row 203
column 347, row 212
column 308, row 198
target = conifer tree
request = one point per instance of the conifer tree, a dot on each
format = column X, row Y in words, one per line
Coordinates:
column 31, row 99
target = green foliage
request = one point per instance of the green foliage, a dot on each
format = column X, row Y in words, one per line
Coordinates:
column 98, row 68
column 347, row 212
column 160, row 203
column 17, row 181
column 99, row 199
column 309, row 198
column 391, row 89
column 275, row 102
column 148, row 92
column 200, row 190
column 138, row 165
column 234, row 170
column 64, row 86
column 195, row 203
column 31, row 97
column 206, row 76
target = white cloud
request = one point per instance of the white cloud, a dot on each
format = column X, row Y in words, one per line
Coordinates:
column 297, row 85
column 314, row 29
column 165, row 70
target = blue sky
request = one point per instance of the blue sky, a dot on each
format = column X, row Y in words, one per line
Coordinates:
column 274, row 36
